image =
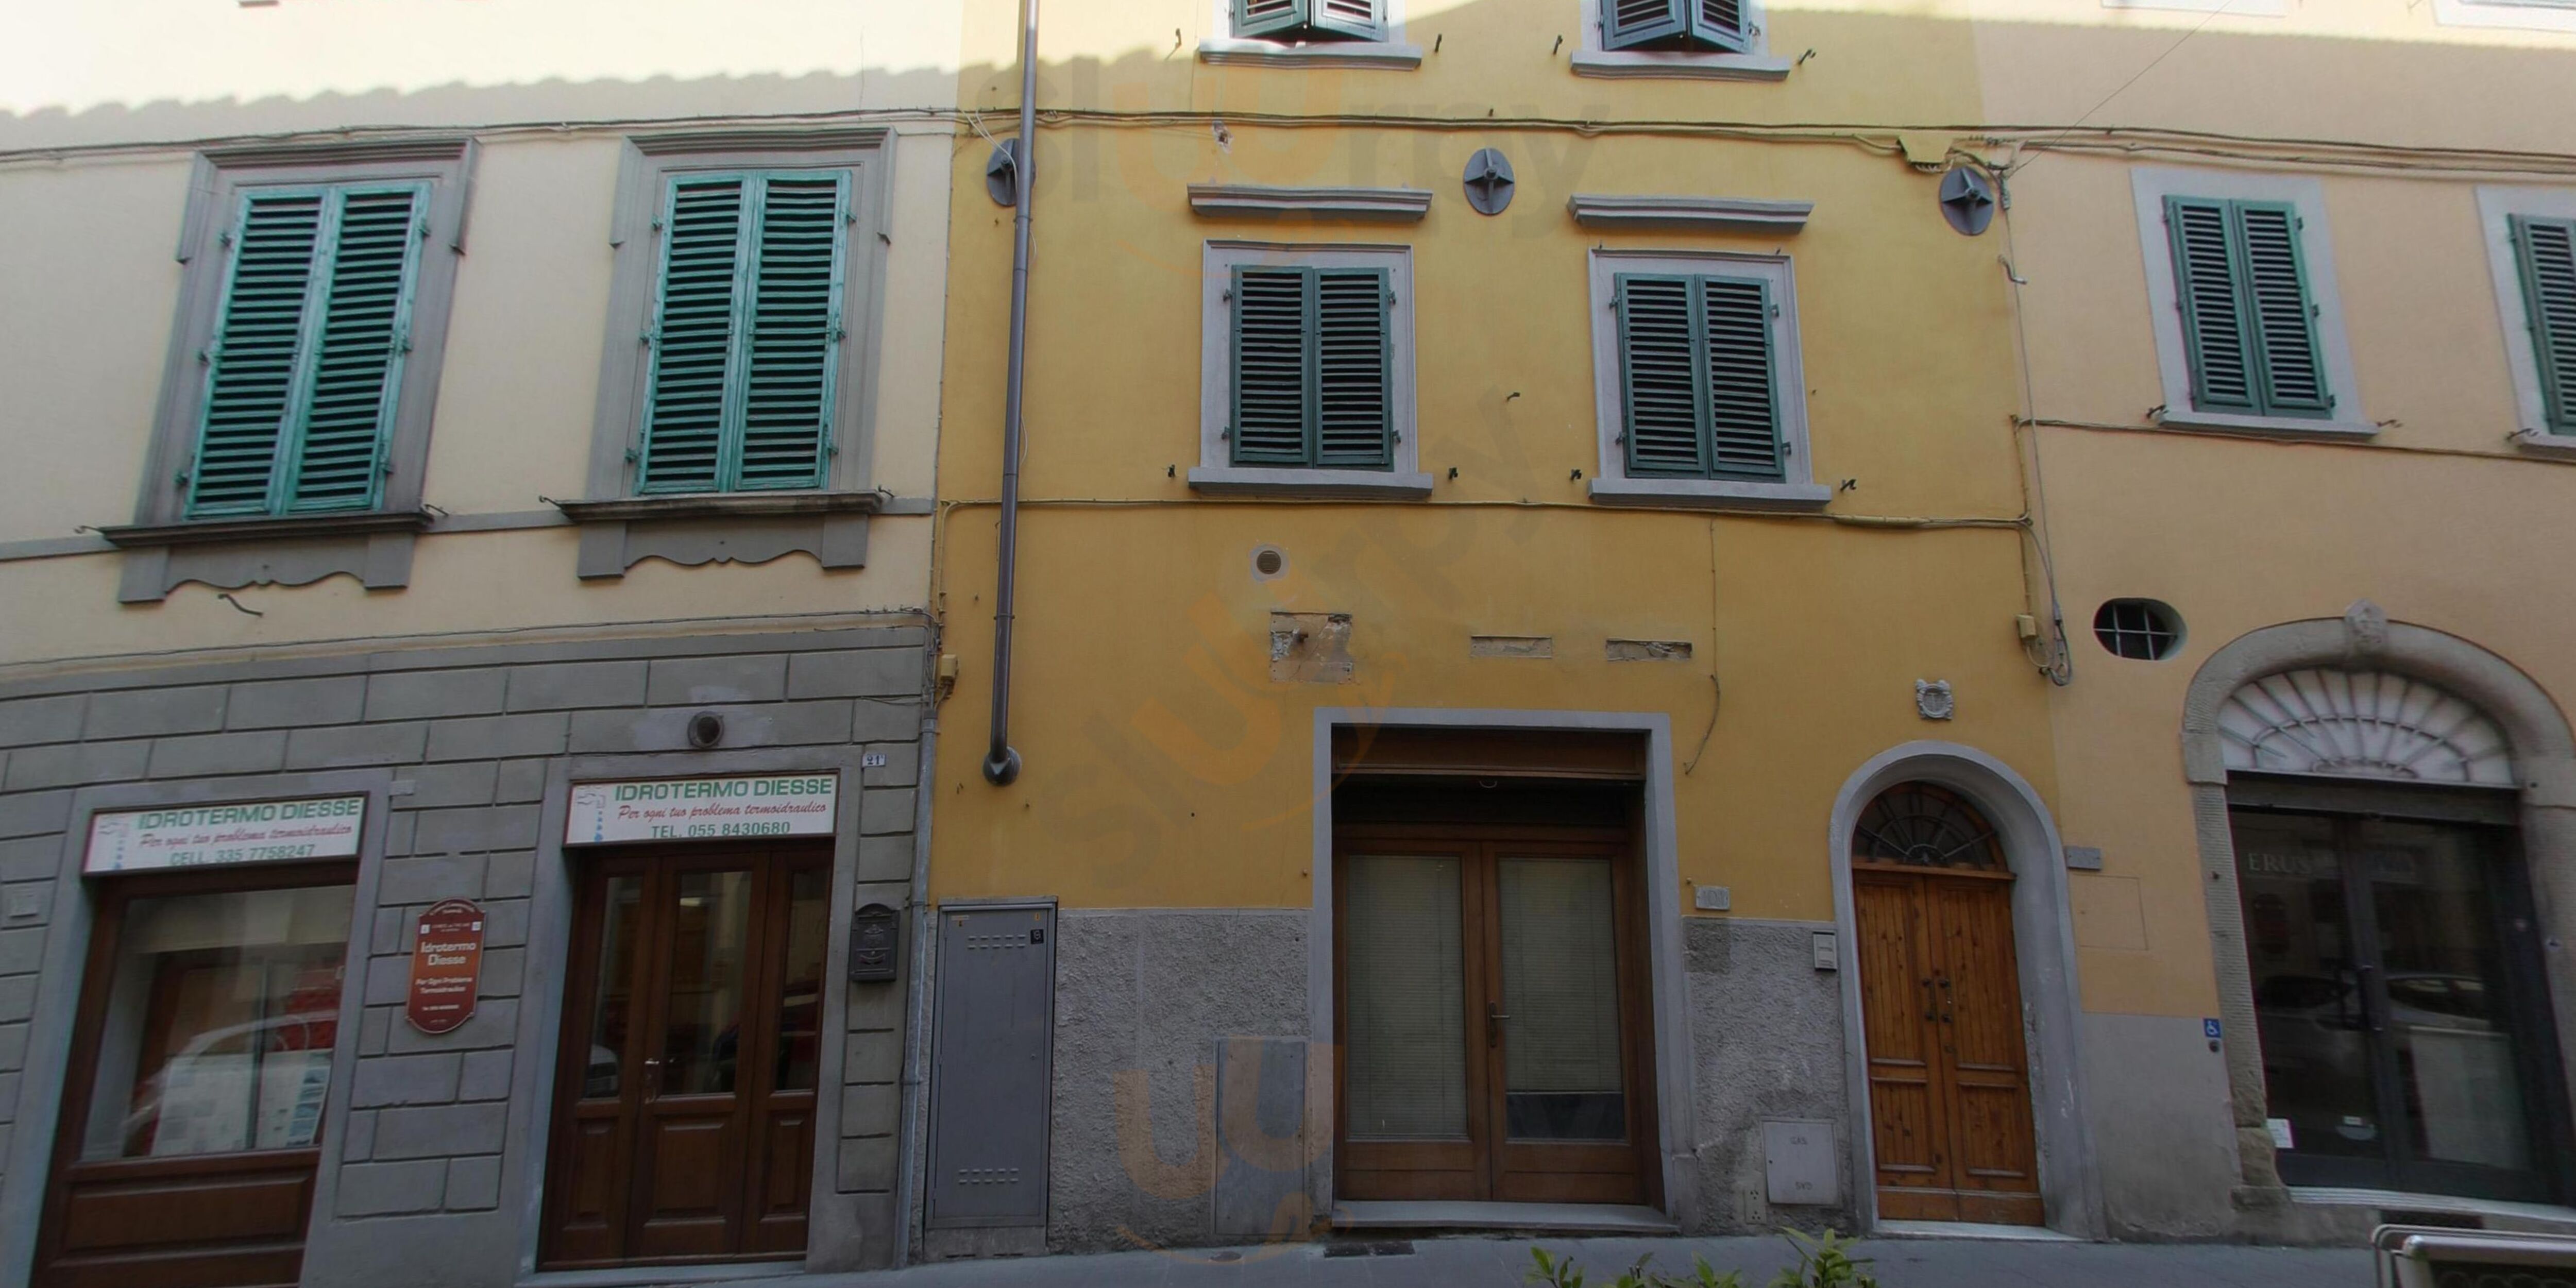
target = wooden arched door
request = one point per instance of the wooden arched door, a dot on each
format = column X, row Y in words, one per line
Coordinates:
column 1949, row 1080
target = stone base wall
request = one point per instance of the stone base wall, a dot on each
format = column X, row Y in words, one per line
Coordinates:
column 1767, row 1044
column 427, row 1173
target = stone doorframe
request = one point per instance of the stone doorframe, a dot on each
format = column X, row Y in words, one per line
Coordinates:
column 2544, row 762
column 2070, row 1184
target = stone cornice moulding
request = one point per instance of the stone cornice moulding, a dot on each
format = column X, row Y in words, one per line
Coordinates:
column 1704, row 214
column 1256, row 201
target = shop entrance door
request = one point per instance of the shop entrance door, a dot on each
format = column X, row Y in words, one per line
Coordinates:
column 684, row 1095
column 1490, row 990
column 1949, row 1086
column 2397, row 996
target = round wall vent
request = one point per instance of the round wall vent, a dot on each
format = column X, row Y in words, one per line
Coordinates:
column 1268, row 562
column 2147, row 630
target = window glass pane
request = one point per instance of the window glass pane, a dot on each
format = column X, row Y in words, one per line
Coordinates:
column 702, row 1031
column 1561, row 1066
column 220, row 1017
column 2309, row 1011
column 612, row 1011
column 1405, row 1071
column 800, row 1003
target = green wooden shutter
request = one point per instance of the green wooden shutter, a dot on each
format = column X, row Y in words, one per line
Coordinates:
column 338, row 453
column 1627, row 24
column 258, row 349
column 1272, row 320
column 1743, row 402
column 1351, row 360
column 2547, row 251
column 1269, row 17
column 695, row 311
column 305, row 371
column 1357, row 19
column 1663, row 384
column 2216, row 333
column 1722, row 23
column 796, row 326
column 2292, row 377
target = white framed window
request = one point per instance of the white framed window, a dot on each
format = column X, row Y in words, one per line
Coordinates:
column 2531, row 251
column 2241, row 288
column 1306, row 371
column 2525, row 15
column 1699, row 388
column 1692, row 39
column 1310, row 33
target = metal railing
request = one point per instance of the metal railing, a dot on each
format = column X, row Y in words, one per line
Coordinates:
column 2419, row 1256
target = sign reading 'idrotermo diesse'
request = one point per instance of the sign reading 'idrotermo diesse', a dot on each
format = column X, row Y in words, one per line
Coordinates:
column 185, row 836
column 688, row 809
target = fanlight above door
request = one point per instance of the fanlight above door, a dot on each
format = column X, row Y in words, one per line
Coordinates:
column 2361, row 724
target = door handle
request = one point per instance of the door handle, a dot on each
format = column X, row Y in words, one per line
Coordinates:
column 1494, row 1017
column 653, row 1075
column 1949, row 1003
column 1931, row 1007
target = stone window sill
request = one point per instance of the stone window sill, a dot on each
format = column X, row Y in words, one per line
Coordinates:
column 264, row 527
column 1713, row 495
column 1364, row 54
column 696, row 528
column 2543, row 443
column 1653, row 63
column 2269, row 426
column 1383, row 485
column 266, row 550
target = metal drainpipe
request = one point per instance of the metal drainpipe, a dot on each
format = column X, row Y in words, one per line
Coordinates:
column 1001, row 762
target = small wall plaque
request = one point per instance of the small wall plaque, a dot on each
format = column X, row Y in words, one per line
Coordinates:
column 446, row 967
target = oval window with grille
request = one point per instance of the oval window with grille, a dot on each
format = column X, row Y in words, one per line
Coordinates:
column 2144, row 629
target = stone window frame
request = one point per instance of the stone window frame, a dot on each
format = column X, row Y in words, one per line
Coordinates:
column 1216, row 471
column 2497, row 205
column 2149, row 186
column 1591, row 59
column 621, row 527
column 1390, row 54
column 165, row 547
column 1610, row 484
column 2521, row 15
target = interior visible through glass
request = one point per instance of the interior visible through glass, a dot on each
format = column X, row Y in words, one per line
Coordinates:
column 800, row 1001
column 1561, row 1065
column 709, row 953
column 1405, row 1066
column 220, row 1017
column 2308, row 1008
column 612, row 1011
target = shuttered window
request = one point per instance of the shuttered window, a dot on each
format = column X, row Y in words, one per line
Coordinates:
column 747, row 333
column 2249, row 320
column 1677, row 25
column 2545, row 250
column 1311, row 19
column 1698, row 377
column 305, row 369
column 1312, row 373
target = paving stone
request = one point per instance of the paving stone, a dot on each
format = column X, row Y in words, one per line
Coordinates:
column 75, row 764
column 279, row 704
column 384, row 1189
column 885, row 810
column 152, row 713
column 510, row 876
column 486, row 1076
column 850, row 673
column 428, row 1079
column 428, row 880
column 494, row 737
column 886, row 720
column 34, row 813
column 352, row 746
column 463, row 782
column 441, row 1131
column 417, row 695
column 215, row 754
column 474, row 1184
column 358, row 1139
column 704, row 681
column 565, row 685
column 519, row 781
column 491, row 827
column 28, row 721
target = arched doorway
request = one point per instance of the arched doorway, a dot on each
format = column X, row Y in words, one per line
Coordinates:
column 2392, row 948
column 1949, row 1080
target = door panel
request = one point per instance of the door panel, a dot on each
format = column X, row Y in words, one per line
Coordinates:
column 1950, row 1100
column 1490, row 1003
column 995, row 1047
column 685, row 1091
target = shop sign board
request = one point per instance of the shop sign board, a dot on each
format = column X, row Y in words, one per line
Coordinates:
column 694, row 809
column 446, row 966
column 186, row 836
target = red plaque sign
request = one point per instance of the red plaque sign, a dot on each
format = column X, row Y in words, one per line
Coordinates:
column 446, row 967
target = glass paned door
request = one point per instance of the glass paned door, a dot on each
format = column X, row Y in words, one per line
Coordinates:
column 1488, row 992
column 2396, row 1003
column 684, row 1118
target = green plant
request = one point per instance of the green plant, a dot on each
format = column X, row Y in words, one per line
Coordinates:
column 1562, row 1272
column 1824, row 1261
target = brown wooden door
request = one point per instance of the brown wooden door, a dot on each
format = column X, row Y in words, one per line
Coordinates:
column 1490, row 992
column 191, row 1110
column 684, row 1117
column 1941, row 1014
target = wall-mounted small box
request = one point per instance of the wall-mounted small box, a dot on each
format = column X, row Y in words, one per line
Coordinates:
column 1712, row 898
column 876, row 935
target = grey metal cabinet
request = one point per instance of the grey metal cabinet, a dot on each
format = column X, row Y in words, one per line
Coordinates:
column 990, row 1065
